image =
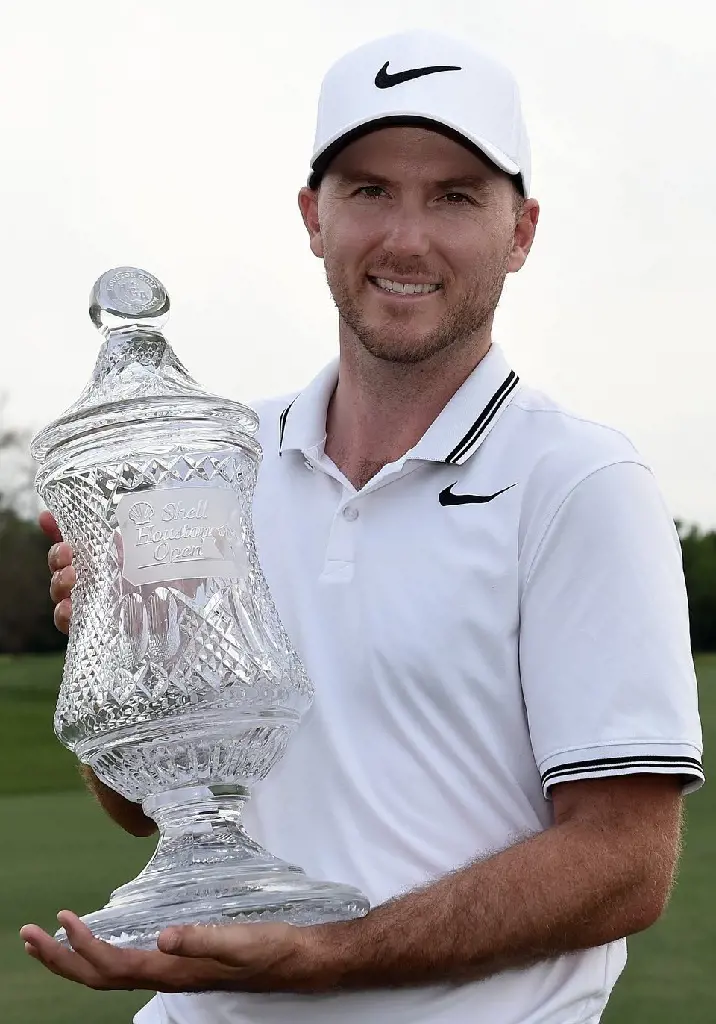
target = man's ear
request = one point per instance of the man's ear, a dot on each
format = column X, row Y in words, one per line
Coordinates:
column 308, row 205
column 524, row 235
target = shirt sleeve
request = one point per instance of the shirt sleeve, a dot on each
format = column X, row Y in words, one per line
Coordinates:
column 605, row 653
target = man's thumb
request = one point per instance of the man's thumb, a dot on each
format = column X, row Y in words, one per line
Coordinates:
column 211, row 941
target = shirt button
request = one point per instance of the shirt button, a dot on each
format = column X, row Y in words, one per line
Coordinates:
column 350, row 513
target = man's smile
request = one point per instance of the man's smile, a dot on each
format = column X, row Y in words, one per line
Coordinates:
column 412, row 289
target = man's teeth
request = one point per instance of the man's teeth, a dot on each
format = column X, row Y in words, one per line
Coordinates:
column 405, row 289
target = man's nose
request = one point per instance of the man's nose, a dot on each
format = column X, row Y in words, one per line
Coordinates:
column 406, row 233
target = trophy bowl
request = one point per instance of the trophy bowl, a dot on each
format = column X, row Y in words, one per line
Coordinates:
column 181, row 688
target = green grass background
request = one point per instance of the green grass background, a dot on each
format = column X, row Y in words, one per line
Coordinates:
column 57, row 849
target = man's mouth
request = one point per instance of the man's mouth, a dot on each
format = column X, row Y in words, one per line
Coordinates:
column 386, row 284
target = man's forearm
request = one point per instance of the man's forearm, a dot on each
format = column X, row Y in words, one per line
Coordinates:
column 568, row 888
column 127, row 814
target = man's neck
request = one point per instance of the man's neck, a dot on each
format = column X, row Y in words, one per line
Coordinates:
column 380, row 410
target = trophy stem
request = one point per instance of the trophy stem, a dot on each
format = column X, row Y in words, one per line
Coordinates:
column 196, row 816
column 199, row 826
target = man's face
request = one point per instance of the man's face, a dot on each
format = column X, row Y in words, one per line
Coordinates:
column 417, row 234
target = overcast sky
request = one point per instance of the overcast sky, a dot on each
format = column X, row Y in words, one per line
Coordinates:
column 175, row 134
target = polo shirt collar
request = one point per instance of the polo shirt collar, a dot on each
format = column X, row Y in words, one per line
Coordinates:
column 452, row 438
column 471, row 413
column 302, row 424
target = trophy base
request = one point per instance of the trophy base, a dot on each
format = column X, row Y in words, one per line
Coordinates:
column 273, row 894
column 210, row 872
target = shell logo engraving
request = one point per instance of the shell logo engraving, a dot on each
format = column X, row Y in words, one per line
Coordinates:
column 141, row 513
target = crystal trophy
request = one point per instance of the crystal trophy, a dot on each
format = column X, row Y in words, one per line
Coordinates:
column 181, row 688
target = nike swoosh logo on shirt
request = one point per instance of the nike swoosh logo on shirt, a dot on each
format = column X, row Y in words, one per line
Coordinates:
column 446, row 496
column 385, row 81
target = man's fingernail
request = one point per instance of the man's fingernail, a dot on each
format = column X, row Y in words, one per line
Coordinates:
column 170, row 939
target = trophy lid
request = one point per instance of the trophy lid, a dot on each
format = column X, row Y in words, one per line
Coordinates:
column 137, row 376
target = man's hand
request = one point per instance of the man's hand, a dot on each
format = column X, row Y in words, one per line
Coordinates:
column 246, row 957
column 59, row 559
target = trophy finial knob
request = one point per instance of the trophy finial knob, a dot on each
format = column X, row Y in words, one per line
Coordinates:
column 127, row 296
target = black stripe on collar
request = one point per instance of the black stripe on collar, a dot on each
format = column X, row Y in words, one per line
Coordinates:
column 282, row 425
column 470, row 441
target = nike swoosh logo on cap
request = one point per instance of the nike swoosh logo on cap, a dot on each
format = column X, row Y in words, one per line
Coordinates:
column 446, row 496
column 385, row 81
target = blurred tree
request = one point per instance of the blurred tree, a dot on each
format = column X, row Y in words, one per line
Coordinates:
column 17, row 470
column 25, row 606
column 699, row 555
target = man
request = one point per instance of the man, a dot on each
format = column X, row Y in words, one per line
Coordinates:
column 487, row 593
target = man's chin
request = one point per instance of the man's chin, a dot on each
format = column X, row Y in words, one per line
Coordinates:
column 403, row 347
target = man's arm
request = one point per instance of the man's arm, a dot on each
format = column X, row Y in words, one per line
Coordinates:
column 604, row 870
column 127, row 814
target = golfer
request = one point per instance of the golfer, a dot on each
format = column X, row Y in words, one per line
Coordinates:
column 486, row 589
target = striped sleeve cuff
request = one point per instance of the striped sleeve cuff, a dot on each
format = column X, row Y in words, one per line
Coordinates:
column 602, row 763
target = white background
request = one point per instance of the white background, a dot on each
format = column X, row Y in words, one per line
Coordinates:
column 175, row 134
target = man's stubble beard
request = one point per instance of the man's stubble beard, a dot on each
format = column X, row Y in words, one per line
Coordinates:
column 464, row 321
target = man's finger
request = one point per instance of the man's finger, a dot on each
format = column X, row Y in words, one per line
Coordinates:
column 62, row 583
column 62, row 614
column 116, row 967
column 99, row 953
column 235, row 945
column 131, row 968
column 215, row 942
column 48, row 525
column 59, row 959
column 99, row 965
column 59, row 556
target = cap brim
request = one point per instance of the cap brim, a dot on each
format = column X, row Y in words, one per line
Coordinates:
column 323, row 157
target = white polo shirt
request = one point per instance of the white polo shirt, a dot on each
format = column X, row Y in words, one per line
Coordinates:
column 500, row 610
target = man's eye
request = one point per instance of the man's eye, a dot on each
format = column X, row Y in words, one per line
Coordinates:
column 371, row 191
column 457, row 197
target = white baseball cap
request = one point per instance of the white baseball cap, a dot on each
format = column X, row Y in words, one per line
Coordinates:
column 426, row 79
